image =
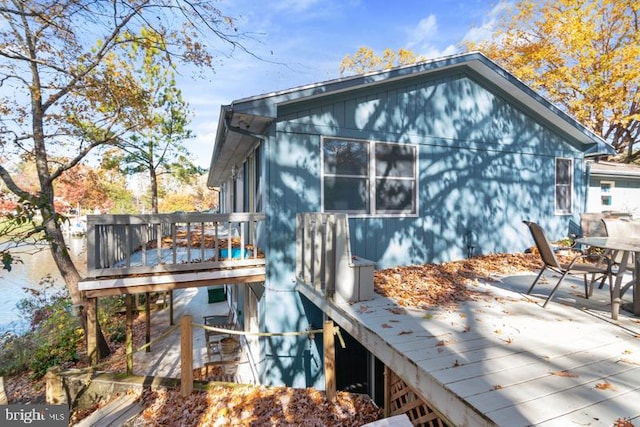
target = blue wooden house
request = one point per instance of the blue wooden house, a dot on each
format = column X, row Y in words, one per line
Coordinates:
column 430, row 162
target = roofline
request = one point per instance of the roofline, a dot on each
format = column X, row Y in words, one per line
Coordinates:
column 266, row 104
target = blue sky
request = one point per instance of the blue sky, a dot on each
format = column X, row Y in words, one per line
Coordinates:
column 304, row 41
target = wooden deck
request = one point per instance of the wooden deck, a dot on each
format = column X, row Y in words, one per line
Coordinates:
column 502, row 359
column 150, row 253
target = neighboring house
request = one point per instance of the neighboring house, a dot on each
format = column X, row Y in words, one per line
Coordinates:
column 614, row 187
column 433, row 162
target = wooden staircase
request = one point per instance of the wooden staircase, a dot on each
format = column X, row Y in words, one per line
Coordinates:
column 116, row 413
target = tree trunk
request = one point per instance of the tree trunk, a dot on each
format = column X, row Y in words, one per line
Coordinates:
column 154, row 190
column 83, row 307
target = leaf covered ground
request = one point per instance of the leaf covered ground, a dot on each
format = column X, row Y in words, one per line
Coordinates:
column 254, row 406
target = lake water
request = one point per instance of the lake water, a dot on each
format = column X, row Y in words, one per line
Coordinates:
column 29, row 274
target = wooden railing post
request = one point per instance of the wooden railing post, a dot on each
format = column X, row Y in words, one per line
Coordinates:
column 329, row 360
column 186, row 356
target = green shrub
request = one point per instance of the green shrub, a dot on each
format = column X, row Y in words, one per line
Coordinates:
column 54, row 335
column 15, row 353
column 57, row 338
column 113, row 326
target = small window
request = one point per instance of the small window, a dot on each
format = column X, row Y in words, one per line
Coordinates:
column 364, row 177
column 606, row 190
column 564, row 186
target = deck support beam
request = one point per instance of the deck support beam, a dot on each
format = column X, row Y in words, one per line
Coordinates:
column 92, row 331
column 147, row 312
column 329, row 360
column 171, row 321
column 186, row 356
column 129, row 300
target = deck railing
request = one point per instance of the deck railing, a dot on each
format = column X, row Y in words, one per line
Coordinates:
column 137, row 244
column 324, row 259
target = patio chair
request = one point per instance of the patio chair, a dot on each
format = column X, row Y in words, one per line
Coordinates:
column 600, row 270
column 213, row 338
column 622, row 228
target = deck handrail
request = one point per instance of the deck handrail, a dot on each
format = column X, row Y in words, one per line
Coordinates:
column 138, row 244
column 324, row 259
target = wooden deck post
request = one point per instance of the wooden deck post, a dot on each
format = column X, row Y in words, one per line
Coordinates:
column 186, row 356
column 171, row 322
column 387, row 392
column 147, row 310
column 329, row 360
column 92, row 332
column 129, row 300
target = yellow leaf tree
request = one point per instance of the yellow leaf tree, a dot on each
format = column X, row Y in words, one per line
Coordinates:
column 584, row 55
column 365, row 59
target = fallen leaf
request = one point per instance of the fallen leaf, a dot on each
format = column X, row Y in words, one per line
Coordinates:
column 364, row 308
column 405, row 332
column 496, row 387
column 566, row 374
column 623, row 422
column 384, row 325
column 605, row 386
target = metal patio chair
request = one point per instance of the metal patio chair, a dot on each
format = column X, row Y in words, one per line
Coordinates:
column 599, row 270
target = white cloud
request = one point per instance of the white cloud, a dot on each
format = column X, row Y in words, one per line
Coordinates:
column 425, row 39
column 484, row 31
column 422, row 35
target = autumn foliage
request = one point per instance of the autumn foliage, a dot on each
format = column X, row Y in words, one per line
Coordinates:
column 446, row 284
column 254, row 405
column 584, row 56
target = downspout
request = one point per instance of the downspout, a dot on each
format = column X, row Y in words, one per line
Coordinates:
column 587, row 173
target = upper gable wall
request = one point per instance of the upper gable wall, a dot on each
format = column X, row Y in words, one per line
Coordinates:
column 446, row 109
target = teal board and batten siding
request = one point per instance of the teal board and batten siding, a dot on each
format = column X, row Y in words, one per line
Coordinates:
column 485, row 164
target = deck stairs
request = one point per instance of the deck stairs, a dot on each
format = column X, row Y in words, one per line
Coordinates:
column 114, row 414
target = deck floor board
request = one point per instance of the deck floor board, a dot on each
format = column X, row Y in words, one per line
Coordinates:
column 502, row 359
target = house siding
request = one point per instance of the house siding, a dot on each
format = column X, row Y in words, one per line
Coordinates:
column 625, row 195
column 482, row 163
column 485, row 164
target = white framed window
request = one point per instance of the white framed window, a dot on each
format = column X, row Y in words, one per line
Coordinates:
column 564, row 186
column 369, row 177
column 606, row 193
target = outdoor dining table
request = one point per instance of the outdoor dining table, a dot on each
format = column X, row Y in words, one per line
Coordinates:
column 625, row 245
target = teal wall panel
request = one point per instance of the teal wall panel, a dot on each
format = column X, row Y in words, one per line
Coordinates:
column 485, row 164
